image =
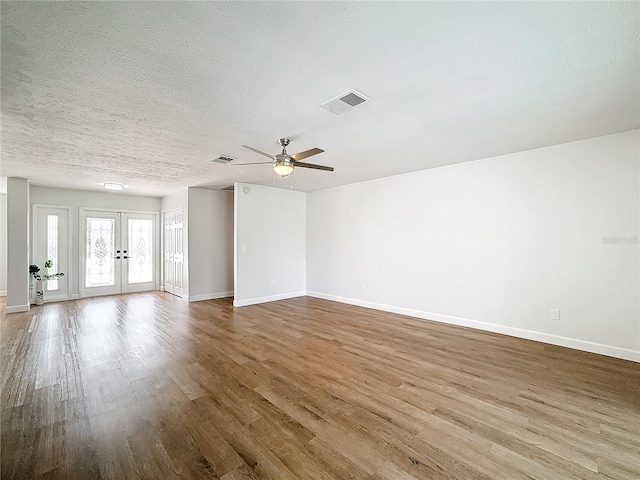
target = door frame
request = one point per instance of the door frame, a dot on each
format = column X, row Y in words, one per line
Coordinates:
column 34, row 245
column 82, row 246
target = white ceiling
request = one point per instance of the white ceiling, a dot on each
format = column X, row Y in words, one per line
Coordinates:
column 147, row 93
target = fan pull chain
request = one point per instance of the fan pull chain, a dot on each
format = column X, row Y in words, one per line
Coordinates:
column 274, row 178
column 292, row 178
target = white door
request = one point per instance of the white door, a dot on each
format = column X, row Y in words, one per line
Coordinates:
column 118, row 254
column 173, row 252
column 51, row 241
column 139, row 252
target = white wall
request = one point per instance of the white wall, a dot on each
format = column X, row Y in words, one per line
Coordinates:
column 83, row 198
column 210, row 239
column 77, row 199
column 270, row 244
column 494, row 244
column 3, row 244
column 171, row 202
column 18, row 245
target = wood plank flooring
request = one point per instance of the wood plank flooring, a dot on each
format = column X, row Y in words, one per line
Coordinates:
column 147, row 386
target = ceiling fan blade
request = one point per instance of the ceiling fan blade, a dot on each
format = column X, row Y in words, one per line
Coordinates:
column 306, row 153
column 311, row 165
column 258, row 151
column 251, row 163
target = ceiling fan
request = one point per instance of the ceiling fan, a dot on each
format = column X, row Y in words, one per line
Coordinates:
column 283, row 163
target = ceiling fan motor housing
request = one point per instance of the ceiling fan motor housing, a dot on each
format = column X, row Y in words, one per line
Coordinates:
column 283, row 159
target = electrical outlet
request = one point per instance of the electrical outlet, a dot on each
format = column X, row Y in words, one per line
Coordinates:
column 555, row 314
column 272, row 283
column 363, row 287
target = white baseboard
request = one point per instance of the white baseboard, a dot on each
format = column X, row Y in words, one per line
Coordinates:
column 272, row 298
column 593, row 347
column 17, row 308
column 3, row 293
column 209, row 296
column 56, row 299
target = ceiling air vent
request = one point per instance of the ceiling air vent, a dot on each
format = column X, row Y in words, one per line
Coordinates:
column 223, row 159
column 345, row 102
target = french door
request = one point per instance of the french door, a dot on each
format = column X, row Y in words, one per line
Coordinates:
column 118, row 253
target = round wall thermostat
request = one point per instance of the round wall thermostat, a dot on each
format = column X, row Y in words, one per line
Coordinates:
column 246, row 190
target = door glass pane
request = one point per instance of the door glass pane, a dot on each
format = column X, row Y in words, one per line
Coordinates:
column 100, row 247
column 52, row 251
column 140, row 254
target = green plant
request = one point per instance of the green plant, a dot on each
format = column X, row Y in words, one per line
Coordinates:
column 34, row 271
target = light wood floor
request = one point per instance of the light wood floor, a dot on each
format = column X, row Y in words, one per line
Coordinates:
column 149, row 386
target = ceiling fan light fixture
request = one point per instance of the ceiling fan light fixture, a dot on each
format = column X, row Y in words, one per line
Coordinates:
column 283, row 167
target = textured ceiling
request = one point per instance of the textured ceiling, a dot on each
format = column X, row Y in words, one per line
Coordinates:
column 147, row 93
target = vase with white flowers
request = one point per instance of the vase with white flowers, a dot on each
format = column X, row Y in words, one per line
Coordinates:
column 34, row 271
